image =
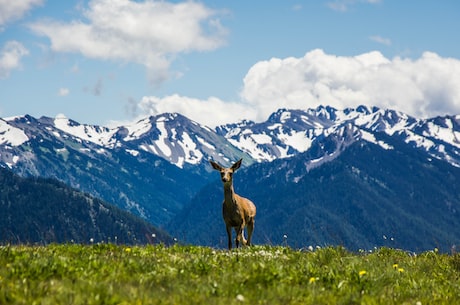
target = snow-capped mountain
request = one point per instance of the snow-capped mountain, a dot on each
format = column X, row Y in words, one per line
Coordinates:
column 151, row 167
column 154, row 166
column 177, row 139
column 170, row 136
column 289, row 132
column 157, row 166
column 286, row 133
column 350, row 177
column 366, row 196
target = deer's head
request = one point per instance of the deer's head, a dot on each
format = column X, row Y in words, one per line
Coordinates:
column 226, row 173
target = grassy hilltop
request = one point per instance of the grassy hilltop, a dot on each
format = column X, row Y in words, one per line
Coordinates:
column 113, row 274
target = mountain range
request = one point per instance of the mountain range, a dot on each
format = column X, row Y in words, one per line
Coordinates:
column 158, row 168
column 366, row 197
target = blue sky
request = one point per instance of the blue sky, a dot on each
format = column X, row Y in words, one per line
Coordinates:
column 109, row 62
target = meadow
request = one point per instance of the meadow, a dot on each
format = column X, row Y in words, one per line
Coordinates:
column 116, row 274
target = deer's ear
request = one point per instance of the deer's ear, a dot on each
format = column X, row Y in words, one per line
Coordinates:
column 237, row 164
column 215, row 165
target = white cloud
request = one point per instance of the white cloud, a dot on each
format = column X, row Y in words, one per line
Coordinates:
column 381, row 40
column 63, row 91
column 10, row 57
column 13, row 10
column 150, row 33
column 427, row 86
column 423, row 87
column 210, row 112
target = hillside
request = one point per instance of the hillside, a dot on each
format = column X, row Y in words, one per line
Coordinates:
column 366, row 197
column 43, row 211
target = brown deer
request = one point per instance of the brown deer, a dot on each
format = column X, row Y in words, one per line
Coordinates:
column 238, row 211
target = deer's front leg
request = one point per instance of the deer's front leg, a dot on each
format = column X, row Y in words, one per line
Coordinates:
column 240, row 236
column 229, row 236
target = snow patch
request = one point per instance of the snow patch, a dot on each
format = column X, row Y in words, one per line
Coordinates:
column 161, row 143
column 286, row 115
column 203, row 142
column 138, row 129
column 11, row 135
column 192, row 154
column 419, row 140
column 448, row 135
column 297, row 140
column 248, row 145
column 275, row 126
column 261, row 138
column 369, row 137
column 133, row 152
column 94, row 134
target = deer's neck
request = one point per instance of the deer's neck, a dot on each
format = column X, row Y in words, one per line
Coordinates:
column 229, row 194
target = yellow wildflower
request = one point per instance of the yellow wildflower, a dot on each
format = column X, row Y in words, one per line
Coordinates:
column 362, row 273
column 128, row 249
column 397, row 268
column 312, row 280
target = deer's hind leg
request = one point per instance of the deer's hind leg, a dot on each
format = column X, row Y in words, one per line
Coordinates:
column 250, row 230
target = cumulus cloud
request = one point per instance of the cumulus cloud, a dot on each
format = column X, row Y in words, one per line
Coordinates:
column 424, row 87
column 150, row 33
column 210, row 112
column 10, row 57
column 13, row 10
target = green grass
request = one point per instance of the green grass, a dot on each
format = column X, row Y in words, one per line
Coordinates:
column 111, row 274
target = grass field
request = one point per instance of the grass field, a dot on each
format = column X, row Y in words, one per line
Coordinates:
column 113, row 274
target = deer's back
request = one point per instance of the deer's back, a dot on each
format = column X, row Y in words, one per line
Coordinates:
column 249, row 206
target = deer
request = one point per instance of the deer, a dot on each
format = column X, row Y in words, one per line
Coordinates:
column 238, row 212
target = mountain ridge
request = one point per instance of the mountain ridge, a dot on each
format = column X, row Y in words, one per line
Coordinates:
column 183, row 142
column 155, row 167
